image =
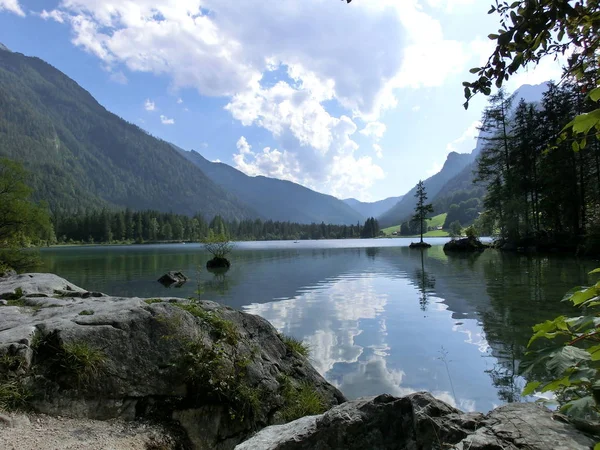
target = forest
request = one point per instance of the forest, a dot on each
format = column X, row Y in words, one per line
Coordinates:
column 127, row 226
column 543, row 189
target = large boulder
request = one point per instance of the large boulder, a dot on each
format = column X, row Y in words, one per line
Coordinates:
column 419, row 421
column 220, row 373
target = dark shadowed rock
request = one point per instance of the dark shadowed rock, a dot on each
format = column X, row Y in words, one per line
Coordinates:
column 419, row 421
column 171, row 278
column 218, row 263
column 465, row 245
column 220, row 373
column 419, row 245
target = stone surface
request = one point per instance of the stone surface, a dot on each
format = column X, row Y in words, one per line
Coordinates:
column 42, row 432
column 419, row 421
column 143, row 345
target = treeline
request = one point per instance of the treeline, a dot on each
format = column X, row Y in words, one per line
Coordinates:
column 541, row 190
column 107, row 226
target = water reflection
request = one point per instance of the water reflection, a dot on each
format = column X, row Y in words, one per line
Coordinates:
column 425, row 283
column 376, row 318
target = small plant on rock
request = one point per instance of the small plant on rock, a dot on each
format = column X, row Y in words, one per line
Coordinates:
column 295, row 345
column 81, row 361
column 299, row 401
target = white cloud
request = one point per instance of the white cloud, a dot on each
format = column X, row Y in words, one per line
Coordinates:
column 393, row 44
column 435, row 168
column 118, row 77
column 378, row 150
column 374, row 129
column 12, row 6
column 416, row 108
column 216, row 160
column 317, row 148
column 179, row 101
column 466, row 142
column 166, row 121
column 149, row 105
column 55, row 15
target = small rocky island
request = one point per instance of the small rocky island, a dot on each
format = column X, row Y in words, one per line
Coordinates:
column 179, row 374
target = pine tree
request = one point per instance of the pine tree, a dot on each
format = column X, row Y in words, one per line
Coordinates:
column 422, row 208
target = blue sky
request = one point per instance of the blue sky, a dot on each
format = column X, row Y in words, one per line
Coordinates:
column 355, row 100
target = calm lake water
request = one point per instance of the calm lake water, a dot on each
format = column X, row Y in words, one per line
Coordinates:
column 378, row 316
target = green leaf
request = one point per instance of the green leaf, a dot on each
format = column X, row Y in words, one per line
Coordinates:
column 584, row 122
column 580, row 408
column 595, row 94
column 530, row 388
column 594, row 271
column 597, row 446
column 579, row 297
column 566, row 358
column 554, row 385
column 594, row 352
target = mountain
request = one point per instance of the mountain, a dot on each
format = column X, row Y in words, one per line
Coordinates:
column 82, row 156
column 275, row 199
column 455, row 163
column 460, row 189
column 372, row 209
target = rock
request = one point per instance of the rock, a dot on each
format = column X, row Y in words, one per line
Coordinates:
column 171, row 278
column 222, row 374
column 39, row 283
column 218, row 263
column 419, row 421
column 465, row 245
column 4, row 273
column 419, row 245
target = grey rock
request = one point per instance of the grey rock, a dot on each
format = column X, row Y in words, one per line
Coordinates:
column 157, row 360
column 419, row 421
column 170, row 278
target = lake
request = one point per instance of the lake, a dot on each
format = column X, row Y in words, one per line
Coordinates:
column 378, row 316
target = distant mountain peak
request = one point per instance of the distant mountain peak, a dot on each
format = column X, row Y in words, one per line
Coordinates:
column 4, row 47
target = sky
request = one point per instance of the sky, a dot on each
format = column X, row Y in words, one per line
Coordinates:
column 354, row 100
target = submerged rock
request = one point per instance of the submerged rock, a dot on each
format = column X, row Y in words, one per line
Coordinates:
column 173, row 278
column 419, row 421
column 419, row 245
column 220, row 373
column 218, row 263
column 465, row 245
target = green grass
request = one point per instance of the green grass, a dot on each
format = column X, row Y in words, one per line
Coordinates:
column 295, row 345
column 300, row 401
column 224, row 329
column 151, row 301
column 82, row 362
column 13, row 395
column 436, row 221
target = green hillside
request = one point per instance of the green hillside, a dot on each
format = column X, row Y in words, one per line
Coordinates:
column 81, row 156
column 436, row 221
column 277, row 200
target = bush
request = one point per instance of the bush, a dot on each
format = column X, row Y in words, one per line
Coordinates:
column 572, row 359
column 470, row 232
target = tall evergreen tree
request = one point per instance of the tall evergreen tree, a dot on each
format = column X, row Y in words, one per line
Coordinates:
column 422, row 209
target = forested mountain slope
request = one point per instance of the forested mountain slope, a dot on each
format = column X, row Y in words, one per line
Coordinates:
column 402, row 211
column 372, row 209
column 275, row 199
column 81, row 156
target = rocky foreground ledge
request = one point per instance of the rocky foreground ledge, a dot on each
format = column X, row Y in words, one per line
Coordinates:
column 167, row 373
column 219, row 374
